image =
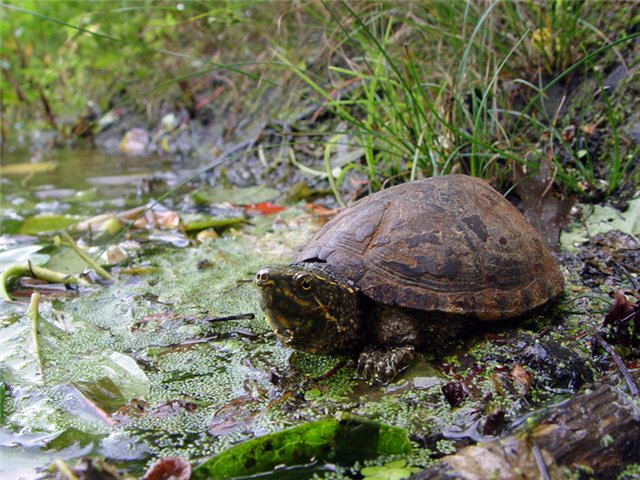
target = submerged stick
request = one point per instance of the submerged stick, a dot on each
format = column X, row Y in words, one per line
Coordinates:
column 240, row 316
column 633, row 388
column 542, row 466
column 34, row 315
column 30, row 270
column 63, row 469
column 86, row 258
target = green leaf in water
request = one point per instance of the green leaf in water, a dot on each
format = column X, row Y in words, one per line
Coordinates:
column 10, row 226
column 46, row 223
column 345, row 441
column 212, row 222
column 235, row 196
column 360, row 438
column 114, row 379
column 23, row 254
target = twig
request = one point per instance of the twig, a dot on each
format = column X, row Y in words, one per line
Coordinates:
column 34, row 315
column 542, row 467
column 622, row 267
column 633, row 388
column 241, row 316
column 28, row 269
column 86, row 258
column 63, row 469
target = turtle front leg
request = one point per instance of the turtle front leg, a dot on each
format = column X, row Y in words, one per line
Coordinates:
column 379, row 365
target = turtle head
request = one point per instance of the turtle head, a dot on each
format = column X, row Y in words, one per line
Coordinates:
column 309, row 309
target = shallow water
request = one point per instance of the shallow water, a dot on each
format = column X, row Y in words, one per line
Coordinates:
column 77, row 169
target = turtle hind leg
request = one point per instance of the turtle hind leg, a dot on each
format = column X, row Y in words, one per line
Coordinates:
column 382, row 365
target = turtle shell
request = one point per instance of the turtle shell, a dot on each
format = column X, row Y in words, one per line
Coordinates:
column 448, row 244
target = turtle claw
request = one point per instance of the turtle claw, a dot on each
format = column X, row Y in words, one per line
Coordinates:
column 382, row 366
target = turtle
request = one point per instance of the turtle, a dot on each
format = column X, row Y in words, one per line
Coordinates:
column 409, row 268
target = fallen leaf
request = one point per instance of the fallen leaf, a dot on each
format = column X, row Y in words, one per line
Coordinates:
column 623, row 322
column 169, row 468
column 263, row 208
column 455, row 393
column 321, row 210
column 523, row 379
column 494, row 422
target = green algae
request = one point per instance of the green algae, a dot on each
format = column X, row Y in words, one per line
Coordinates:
column 150, row 341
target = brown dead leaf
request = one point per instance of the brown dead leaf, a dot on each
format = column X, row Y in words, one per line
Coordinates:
column 589, row 129
column 523, row 379
column 142, row 217
column 320, row 210
column 169, row 468
column 494, row 423
column 455, row 393
column 569, row 133
column 546, row 210
column 623, row 321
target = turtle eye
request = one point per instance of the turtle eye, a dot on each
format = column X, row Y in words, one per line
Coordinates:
column 304, row 282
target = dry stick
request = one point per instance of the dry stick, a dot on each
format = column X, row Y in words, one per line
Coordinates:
column 86, row 258
column 633, row 389
column 33, row 315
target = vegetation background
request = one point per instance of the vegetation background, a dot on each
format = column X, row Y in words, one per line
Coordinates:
column 489, row 88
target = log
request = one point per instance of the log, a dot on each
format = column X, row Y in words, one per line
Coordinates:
column 597, row 432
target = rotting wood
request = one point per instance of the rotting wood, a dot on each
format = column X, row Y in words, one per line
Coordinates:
column 597, row 431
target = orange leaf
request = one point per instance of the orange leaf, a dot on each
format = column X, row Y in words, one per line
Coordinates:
column 264, row 208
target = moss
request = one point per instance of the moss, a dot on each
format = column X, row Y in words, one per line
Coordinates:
column 632, row 471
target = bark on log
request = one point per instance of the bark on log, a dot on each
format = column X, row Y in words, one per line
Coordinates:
column 598, row 431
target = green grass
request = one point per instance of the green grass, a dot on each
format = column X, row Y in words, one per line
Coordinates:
column 416, row 89
column 440, row 102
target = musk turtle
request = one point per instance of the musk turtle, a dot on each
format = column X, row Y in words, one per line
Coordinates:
column 409, row 267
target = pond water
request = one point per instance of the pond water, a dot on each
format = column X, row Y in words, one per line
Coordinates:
column 66, row 175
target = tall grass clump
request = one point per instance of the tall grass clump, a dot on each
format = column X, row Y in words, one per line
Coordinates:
column 473, row 87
